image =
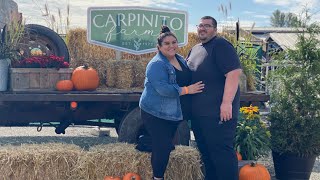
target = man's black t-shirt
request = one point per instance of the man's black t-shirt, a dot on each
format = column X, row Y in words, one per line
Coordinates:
column 183, row 79
column 209, row 62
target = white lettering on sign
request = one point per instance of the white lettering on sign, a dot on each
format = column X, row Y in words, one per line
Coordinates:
column 138, row 20
column 122, row 20
column 112, row 32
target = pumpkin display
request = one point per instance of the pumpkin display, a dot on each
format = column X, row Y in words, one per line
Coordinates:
column 85, row 78
column 111, row 178
column 64, row 85
column 131, row 176
column 254, row 171
column 239, row 156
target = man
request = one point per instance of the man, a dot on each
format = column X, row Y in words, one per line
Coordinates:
column 215, row 111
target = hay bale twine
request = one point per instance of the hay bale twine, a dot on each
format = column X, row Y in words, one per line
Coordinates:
column 39, row 161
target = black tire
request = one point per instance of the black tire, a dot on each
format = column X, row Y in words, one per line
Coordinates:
column 40, row 36
column 182, row 136
column 131, row 127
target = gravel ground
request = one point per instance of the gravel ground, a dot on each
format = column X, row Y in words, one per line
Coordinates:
column 87, row 136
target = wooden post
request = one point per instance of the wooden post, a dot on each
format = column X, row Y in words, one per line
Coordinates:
column 118, row 55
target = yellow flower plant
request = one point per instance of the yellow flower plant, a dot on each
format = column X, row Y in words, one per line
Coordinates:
column 252, row 135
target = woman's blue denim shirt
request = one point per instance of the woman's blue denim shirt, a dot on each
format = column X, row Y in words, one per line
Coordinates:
column 161, row 94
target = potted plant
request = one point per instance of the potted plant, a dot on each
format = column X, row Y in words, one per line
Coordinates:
column 9, row 38
column 252, row 135
column 295, row 107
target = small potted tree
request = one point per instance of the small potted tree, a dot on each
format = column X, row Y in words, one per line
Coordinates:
column 295, row 107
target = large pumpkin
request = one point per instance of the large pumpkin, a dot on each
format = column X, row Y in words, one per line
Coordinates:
column 85, row 78
column 131, row 176
column 111, row 178
column 64, row 85
column 254, row 171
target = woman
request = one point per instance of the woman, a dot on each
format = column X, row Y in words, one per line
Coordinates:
column 160, row 100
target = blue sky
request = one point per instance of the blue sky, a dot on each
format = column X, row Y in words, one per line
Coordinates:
column 247, row 11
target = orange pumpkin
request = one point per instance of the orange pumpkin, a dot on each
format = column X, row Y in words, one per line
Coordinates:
column 254, row 171
column 85, row 78
column 131, row 176
column 64, row 85
column 111, row 178
column 239, row 157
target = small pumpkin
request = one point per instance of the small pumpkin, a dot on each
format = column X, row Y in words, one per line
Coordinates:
column 254, row 171
column 111, row 178
column 131, row 176
column 239, row 156
column 64, row 85
column 85, row 78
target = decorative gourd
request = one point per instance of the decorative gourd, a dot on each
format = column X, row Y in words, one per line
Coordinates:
column 111, row 178
column 239, row 157
column 64, row 85
column 85, row 78
column 254, row 171
column 131, row 176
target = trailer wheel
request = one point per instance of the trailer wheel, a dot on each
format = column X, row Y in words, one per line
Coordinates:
column 131, row 127
column 43, row 39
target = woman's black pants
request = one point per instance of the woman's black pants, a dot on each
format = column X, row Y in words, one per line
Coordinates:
column 162, row 134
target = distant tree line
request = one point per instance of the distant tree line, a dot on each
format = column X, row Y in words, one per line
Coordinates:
column 281, row 19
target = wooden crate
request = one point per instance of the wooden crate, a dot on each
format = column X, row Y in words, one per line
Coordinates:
column 33, row 79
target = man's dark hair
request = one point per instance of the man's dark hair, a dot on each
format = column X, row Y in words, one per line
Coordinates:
column 214, row 22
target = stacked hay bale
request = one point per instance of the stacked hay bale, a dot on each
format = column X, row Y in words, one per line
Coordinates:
column 126, row 73
column 46, row 161
column 112, row 159
column 65, row 161
column 120, row 158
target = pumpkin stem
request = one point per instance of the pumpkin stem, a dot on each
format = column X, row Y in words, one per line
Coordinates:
column 133, row 178
column 253, row 164
column 86, row 66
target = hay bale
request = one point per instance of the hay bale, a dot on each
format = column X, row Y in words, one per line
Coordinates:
column 114, row 159
column 79, row 48
column 34, row 161
column 184, row 163
column 119, row 158
column 110, row 74
column 120, row 74
column 124, row 74
column 140, row 71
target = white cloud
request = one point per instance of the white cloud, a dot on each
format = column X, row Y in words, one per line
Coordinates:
column 274, row 2
column 261, row 16
column 292, row 4
column 248, row 12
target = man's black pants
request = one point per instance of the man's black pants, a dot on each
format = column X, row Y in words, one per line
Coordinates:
column 215, row 143
column 162, row 133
